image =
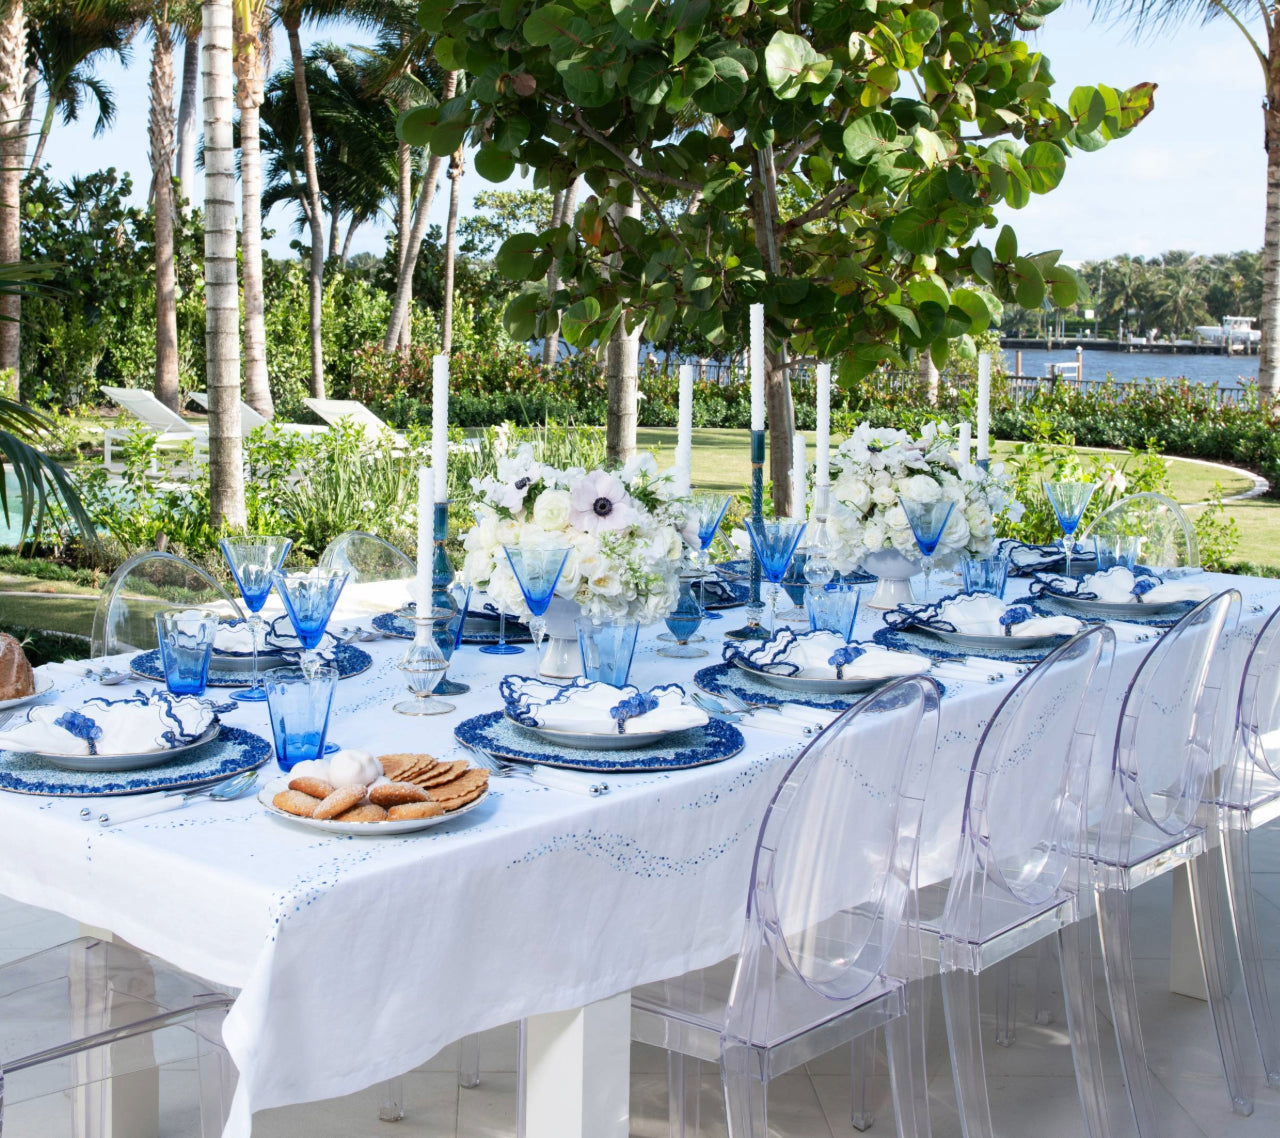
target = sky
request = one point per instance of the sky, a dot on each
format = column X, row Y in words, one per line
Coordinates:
column 1191, row 177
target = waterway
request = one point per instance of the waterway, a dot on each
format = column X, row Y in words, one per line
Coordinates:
column 1225, row 371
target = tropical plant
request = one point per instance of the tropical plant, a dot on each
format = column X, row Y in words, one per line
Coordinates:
column 13, row 150
column 161, row 135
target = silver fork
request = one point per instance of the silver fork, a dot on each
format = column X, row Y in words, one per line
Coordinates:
column 556, row 780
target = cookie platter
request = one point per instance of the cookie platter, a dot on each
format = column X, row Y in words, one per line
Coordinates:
column 387, row 828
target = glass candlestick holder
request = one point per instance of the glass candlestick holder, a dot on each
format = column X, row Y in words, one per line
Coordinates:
column 424, row 667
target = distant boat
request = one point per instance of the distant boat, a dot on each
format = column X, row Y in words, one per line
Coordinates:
column 1234, row 330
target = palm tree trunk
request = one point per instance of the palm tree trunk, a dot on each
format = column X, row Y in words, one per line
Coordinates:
column 404, row 286
column 13, row 149
column 346, row 243
column 928, row 372
column 1269, row 350
column 292, row 22
column 404, row 219
column 161, row 139
column 563, row 209
column 187, row 115
column 335, row 230
column 222, row 307
column 622, row 376
column 30, row 89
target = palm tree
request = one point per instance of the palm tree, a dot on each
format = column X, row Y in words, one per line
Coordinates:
column 222, row 301
column 563, row 209
column 160, row 131
column 187, row 113
column 13, row 147
column 250, row 67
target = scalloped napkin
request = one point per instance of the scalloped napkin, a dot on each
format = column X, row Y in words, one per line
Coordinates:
column 280, row 637
column 1026, row 559
column 591, row 707
column 1118, row 586
column 135, row 725
column 235, row 638
column 981, row 614
column 824, row 655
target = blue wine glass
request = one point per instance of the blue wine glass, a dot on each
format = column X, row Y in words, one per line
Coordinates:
column 252, row 560
column 309, row 598
column 710, row 510
column 1069, row 501
column 775, row 541
column 537, row 573
column 683, row 621
column 928, row 520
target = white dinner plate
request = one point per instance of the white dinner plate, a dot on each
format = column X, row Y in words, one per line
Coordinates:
column 993, row 643
column 44, row 685
column 818, row 686
column 359, row 829
column 125, row 762
column 608, row 741
column 1122, row 610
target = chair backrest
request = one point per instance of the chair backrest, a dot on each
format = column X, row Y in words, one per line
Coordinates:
column 379, row 576
column 142, row 404
column 148, row 584
column 1165, row 537
column 1164, row 744
column 835, row 861
column 333, row 411
column 1257, row 715
column 250, row 420
column 1026, row 807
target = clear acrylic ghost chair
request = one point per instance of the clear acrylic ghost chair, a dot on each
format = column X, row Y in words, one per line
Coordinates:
column 391, row 1109
column 1151, row 525
column 146, row 584
column 1249, row 798
column 379, row 576
column 1019, row 872
column 89, row 1028
column 1158, row 817
column 831, row 939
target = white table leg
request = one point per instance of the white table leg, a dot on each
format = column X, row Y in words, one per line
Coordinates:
column 1186, row 971
column 578, row 1072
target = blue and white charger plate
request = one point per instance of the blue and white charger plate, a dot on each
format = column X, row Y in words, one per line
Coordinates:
column 721, row 678
column 740, row 568
column 926, row 644
column 233, row 752
column 350, row 661
column 741, row 593
column 393, row 624
column 494, row 733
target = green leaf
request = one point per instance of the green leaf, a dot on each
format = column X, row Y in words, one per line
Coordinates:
column 516, row 254
column 1045, row 165
column 1087, row 107
column 868, row 135
column 494, row 165
column 924, row 25
column 578, row 318
column 917, row 231
column 1063, row 285
column 974, row 307
column 416, row 124
column 649, row 80
column 446, row 138
column 790, row 62
column 929, row 146
column 686, row 40
column 980, row 261
column 520, row 317
column 432, row 13
column 1028, row 284
column 1006, row 245
column 698, row 72
column 450, row 54
column 723, row 91
column 546, row 24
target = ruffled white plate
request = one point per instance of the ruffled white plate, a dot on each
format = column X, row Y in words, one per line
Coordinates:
column 134, row 762
column 359, row 829
column 44, row 685
column 598, row 742
column 817, row 685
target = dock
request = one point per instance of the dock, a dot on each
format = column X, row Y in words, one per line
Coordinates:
column 1129, row 345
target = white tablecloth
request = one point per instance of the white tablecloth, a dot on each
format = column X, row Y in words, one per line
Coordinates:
column 358, row 959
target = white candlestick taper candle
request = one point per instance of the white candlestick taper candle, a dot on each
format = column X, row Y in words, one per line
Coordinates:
column 684, row 432
column 440, row 425
column 984, row 406
column 799, row 477
column 823, row 474
column 426, row 546
column 966, row 443
column 757, row 367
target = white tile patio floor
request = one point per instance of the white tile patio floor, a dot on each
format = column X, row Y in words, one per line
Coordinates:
column 1032, row 1087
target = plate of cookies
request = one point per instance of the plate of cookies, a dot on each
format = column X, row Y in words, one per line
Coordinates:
column 356, row 793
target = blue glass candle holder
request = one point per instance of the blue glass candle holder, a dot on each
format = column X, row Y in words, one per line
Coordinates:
column 299, row 703
column 683, row 622
column 186, row 646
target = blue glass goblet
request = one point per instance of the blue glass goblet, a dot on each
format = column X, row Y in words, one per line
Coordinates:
column 928, row 520
column 309, row 598
column 710, row 510
column 1069, row 501
column 537, row 573
column 683, row 622
column 252, row 560
column 775, row 541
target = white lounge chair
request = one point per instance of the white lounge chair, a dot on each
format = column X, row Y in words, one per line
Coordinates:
column 170, row 427
column 333, row 411
column 251, row 420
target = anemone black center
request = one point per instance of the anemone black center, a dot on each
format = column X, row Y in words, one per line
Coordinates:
column 602, row 507
column 521, row 483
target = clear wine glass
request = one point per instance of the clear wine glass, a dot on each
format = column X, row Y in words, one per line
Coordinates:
column 252, row 560
column 537, row 573
column 928, row 520
column 775, row 541
column 1069, row 501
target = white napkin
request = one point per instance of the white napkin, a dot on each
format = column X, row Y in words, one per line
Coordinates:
column 233, row 638
column 280, row 637
column 979, row 614
column 1172, row 591
column 781, row 721
column 1112, row 586
column 587, row 707
column 1129, row 633
column 807, row 656
column 139, row 724
column 1046, row 626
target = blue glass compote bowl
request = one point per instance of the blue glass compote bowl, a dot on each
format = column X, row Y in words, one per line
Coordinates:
column 710, row 510
column 683, row 622
column 775, row 541
column 537, row 573
column 252, row 561
column 1069, row 501
column 927, row 521
column 309, row 598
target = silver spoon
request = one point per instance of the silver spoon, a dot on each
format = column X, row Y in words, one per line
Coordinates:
column 223, row 791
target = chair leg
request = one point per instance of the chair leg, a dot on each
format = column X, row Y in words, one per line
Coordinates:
column 391, row 1107
column 746, row 1095
column 522, row 1065
column 1224, row 1005
column 1113, row 906
column 1235, row 849
column 962, row 1010
column 908, row 1069
column 1044, row 978
column 676, row 1090
column 469, row 1061
column 1006, row 1002
column 215, row 1071
column 862, row 1060
column 1075, row 957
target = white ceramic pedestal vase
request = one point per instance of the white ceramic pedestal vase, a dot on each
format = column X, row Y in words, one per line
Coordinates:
column 560, row 658
column 895, row 573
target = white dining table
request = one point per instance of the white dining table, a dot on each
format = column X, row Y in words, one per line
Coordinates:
column 357, row 959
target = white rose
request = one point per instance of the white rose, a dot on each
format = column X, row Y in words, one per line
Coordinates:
column 884, row 495
column 895, row 517
column 904, row 541
column 956, row 535
column 551, row 510
column 881, row 478
column 858, row 495
column 873, row 536
column 921, row 488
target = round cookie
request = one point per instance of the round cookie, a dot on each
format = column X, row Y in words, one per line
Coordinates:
column 408, row 810
column 396, row 794
column 339, row 802
column 366, row 813
column 316, row 787
column 295, row 802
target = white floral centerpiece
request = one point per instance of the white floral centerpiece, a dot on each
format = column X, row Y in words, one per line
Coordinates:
column 626, row 531
column 878, row 465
